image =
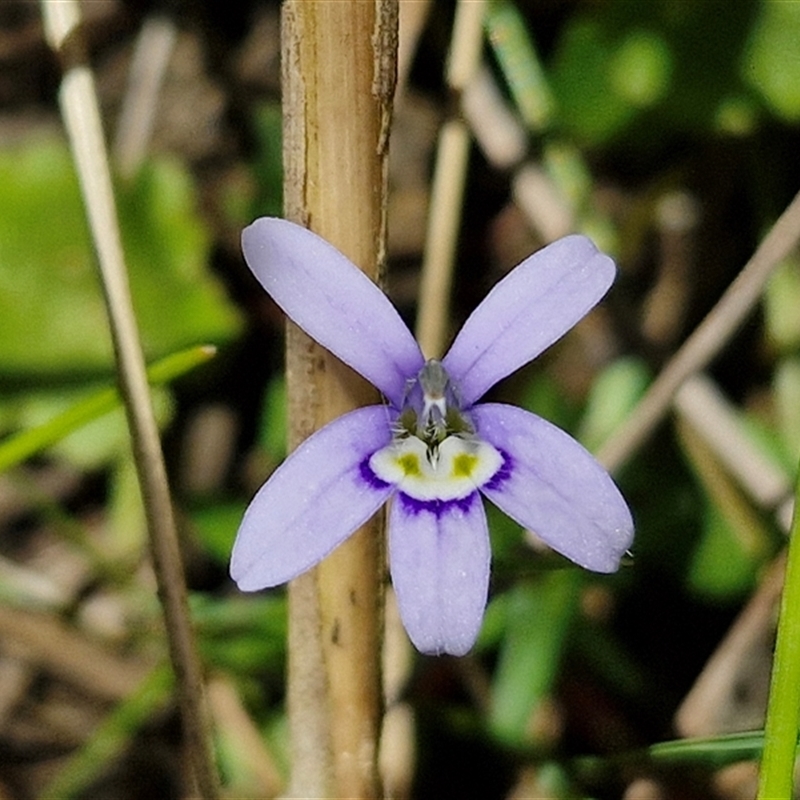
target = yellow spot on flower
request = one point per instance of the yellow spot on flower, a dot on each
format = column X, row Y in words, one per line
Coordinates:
column 409, row 463
column 464, row 464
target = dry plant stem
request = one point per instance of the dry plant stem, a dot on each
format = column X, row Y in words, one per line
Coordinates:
column 700, row 402
column 725, row 675
column 235, row 724
column 339, row 62
column 82, row 120
column 449, row 179
column 707, row 340
column 154, row 46
column 70, row 654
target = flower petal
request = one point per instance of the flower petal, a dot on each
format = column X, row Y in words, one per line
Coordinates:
column 535, row 304
column 334, row 302
column 312, row 502
column 554, row 487
column 439, row 562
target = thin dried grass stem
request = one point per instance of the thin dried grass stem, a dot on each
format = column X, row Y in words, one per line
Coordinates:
column 81, row 115
column 707, row 340
column 154, row 47
column 447, row 193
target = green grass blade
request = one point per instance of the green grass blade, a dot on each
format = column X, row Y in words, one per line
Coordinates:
column 783, row 709
column 516, row 55
column 24, row 444
column 710, row 753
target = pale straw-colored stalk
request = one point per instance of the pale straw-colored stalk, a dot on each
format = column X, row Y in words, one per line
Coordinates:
column 81, row 116
column 706, row 341
column 449, row 179
column 339, row 62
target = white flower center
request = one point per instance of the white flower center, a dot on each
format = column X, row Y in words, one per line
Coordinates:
column 452, row 470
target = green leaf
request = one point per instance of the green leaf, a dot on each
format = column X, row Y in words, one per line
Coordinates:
column 52, row 317
column 273, row 425
column 216, row 527
column 641, row 68
column 269, row 166
column 781, row 301
column 538, row 615
column 715, row 751
column 580, row 78
column 712, row 753
column 721, row 566
column 770, row 64
column 614, row 393
column 787, row 402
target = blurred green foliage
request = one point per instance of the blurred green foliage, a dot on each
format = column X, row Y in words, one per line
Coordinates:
column 666, row 65
column 770, row 63
column 52, row 319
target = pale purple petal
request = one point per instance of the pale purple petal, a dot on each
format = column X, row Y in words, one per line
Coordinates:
column 334, row 302
column 312, row 502
column 554, row 487
column 439, row 558
column 535, row 304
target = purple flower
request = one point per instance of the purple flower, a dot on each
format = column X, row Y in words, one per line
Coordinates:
column 430, row 448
